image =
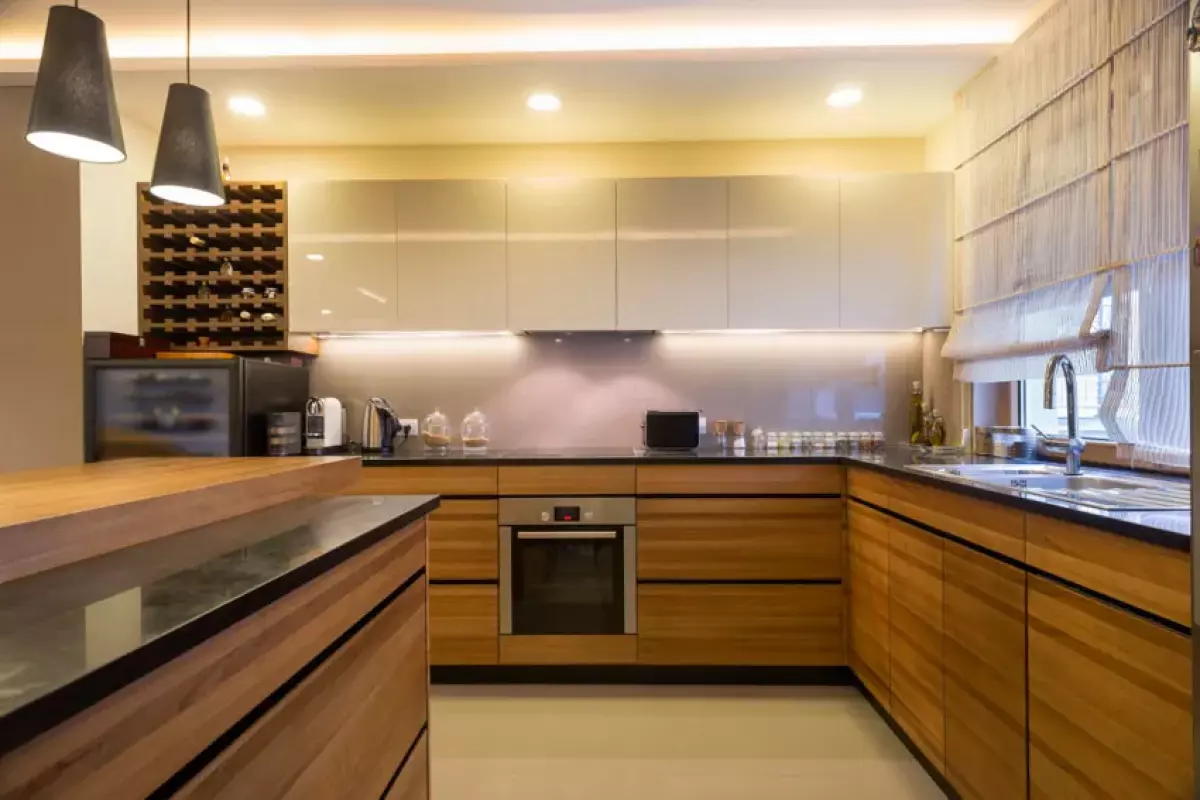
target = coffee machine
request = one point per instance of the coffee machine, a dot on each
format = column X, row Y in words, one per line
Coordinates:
column 324, row 425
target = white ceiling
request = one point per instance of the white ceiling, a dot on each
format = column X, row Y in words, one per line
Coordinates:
column 370, row 72
column 603, row 101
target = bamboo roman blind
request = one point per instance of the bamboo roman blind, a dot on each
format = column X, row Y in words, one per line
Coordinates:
column 1071, row 213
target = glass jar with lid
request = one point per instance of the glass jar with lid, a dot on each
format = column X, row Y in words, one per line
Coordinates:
column 435, row 431
column 474, row 431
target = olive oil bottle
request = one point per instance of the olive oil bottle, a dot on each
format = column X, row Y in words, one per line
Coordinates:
column 916, row 415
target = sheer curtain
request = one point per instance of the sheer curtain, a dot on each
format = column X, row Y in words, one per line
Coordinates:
column 1076, row 191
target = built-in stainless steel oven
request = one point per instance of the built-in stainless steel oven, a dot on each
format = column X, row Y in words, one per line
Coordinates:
column 568, row 566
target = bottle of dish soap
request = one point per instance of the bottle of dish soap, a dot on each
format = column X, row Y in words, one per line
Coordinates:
column 916, row 415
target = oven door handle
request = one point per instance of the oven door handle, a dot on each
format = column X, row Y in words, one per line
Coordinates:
column 567, row 535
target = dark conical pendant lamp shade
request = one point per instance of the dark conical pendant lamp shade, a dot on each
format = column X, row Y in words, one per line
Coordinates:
column 187, row 167
column 74, row 111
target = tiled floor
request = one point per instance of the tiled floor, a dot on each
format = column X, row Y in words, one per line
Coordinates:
column 635, row 743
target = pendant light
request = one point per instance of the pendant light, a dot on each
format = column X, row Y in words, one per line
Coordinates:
column 74, row 110
column 187, row 167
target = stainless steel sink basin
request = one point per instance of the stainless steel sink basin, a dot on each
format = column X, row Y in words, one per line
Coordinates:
column 1103, row 491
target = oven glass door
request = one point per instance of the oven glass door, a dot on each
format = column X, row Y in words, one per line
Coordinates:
column 568, row 581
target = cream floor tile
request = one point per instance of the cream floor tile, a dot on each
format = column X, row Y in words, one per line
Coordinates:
column 635, row 743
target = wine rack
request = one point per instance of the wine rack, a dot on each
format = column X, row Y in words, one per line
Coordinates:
column 215, row 278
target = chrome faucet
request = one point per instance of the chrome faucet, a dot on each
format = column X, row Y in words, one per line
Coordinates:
column 1072, row 448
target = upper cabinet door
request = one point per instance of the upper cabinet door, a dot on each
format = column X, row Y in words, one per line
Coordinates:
column 672, row 259
column 451, row 252
column 896, row 244
column 562, row 255
column 342, row 256
column 783, row 253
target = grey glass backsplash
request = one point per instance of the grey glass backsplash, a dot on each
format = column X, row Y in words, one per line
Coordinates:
column 592, row 390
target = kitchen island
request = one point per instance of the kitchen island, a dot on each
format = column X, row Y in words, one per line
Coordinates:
column 1013, row 640
column 279, row 649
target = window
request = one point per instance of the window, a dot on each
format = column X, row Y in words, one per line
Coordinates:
column 1089, row 390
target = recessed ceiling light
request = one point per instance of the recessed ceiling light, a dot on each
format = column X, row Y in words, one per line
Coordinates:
column 325, row 312
column 246, row 106
column 543, row 101
column 315, row 257
column 845, row 97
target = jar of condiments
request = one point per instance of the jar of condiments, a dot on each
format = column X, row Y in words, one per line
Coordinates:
column 474, row 431
column 435, row 431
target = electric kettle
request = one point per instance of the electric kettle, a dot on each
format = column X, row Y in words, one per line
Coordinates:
column 379, row 426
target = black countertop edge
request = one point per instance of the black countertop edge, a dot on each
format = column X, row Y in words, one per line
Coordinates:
column 1091, row 518
column 1112, row 522
column 28, row 721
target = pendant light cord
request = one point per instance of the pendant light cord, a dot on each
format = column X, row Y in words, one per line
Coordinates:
column 188, row 44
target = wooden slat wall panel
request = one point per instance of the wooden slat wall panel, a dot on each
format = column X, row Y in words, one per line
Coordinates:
column 995, row 527
column 1152, row 578
column 869, row 626
column 984, row 658
column 1110, row 701
column 130, row 742
column 413, row 781
column 915, row 644
column 464, row 541
column 740, row 539
column 343, row 730
column 568, row 649
column 734, row 479
column 870, row 486
column 564, row 479
column 464, row 624
column 450, row 481
column 742, row 624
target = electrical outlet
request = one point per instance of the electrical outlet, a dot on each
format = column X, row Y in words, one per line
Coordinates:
column 412, row 426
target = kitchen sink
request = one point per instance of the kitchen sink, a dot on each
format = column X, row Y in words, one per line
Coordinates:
column 1104, row 491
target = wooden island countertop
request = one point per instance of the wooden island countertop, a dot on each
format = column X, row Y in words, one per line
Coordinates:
column 52, row 517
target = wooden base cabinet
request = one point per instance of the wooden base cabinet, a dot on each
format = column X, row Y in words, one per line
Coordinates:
column 869, row 626
column 464, row 624
column 740, row 624
column 344, row 730
column 915, row 638
column 464, row 541
column 1110, row 701
column 984, row 658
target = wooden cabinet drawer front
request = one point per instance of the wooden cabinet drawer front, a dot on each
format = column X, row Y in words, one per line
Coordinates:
column 1110, row 700
column 132, row 741
column 1154, row 579
column 464, row 624
column 344, row 729
column 734, row 479
column 463, row 536
column 740, row 539
column 568, row 649
column 451, row 481
column 555, row 479
column 413, row 781
column 998, row 528
column 869, row 628
column 870, row 486
column 984, row 659
column 740, row 624
column 915, row 644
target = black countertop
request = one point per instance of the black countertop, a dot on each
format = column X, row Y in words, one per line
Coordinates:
column 1164, row 528
column 73, row 635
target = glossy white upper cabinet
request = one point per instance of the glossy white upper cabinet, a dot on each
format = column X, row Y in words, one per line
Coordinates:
column 451, row 252
column 895, row 251
column 783, row 253
column 342, row 256
column 672, row 260
column 562, row 255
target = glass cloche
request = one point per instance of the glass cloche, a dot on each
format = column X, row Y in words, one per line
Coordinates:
column 475, row 431
column 435, row 431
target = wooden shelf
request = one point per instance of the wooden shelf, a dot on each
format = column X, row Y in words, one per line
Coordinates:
column 182, row 249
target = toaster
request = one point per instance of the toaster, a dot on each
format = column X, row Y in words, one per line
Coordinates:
column 671, row 430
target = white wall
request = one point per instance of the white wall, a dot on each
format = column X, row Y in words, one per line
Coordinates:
column 941, row 147
column 630, row 160
column 109, row 233
column 41, row 341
